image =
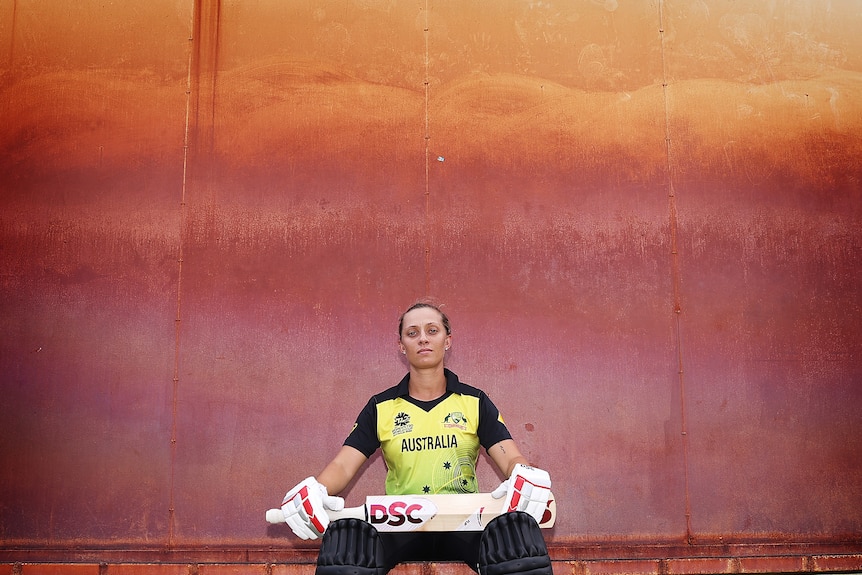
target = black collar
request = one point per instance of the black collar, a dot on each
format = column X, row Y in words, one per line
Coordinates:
column 452, row 384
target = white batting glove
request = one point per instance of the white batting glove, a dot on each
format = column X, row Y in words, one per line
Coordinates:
column 527, row 489
column 305, row 506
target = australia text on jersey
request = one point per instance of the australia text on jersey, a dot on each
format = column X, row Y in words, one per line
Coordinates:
column 435, row 442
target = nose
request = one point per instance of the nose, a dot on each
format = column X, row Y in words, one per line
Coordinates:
column 423, row 336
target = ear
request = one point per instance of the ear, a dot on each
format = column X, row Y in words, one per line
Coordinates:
column 448, row 342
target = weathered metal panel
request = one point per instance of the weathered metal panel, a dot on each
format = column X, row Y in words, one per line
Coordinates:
column 92, row 177
column 769, row 258
column 644, row 220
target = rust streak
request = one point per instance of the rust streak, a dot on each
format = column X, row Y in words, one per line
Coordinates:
column 12, row 35
column 199, row 122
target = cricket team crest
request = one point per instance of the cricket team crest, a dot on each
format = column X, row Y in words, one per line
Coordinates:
column 456, row 420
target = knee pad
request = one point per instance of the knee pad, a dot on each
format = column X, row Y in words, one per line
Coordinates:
column 350, row 547
column 512, row 544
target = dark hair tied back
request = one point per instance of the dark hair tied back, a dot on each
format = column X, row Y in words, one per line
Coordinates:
column 431, row 305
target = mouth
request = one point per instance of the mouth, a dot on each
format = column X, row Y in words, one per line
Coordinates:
column 425, row 350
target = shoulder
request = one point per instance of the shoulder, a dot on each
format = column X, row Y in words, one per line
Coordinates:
column 454, row 384
column 386, row 395
column 394, row 392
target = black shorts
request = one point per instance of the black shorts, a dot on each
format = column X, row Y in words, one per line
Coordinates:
column 460, row 546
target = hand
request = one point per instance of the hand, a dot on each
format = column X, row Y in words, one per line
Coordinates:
column 305, row 506
column 527, row 489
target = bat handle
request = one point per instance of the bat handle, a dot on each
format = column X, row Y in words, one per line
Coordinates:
column 275, row 516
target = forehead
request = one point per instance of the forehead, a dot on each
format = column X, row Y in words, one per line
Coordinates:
column 422, row 316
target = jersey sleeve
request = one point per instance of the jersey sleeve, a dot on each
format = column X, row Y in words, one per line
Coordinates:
column 492, row 429
column 363, row 436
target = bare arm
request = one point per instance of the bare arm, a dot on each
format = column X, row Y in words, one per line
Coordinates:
column 506, row 455
column 341, row 470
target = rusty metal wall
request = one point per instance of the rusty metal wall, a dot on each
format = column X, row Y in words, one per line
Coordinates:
column 644, row 218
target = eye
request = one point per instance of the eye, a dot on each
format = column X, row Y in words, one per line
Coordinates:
column 433, row 330
column 411, row 333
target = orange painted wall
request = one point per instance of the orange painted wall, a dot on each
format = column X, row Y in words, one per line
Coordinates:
column 644, row 218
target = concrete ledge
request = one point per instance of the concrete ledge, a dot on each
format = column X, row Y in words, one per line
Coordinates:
column 841, row 563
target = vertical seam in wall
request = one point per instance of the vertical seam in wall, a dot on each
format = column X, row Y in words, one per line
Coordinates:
column 180, row 257
column 675, row 276
column 428, row 226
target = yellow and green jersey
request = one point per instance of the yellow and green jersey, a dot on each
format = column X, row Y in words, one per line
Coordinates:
column 429, row 446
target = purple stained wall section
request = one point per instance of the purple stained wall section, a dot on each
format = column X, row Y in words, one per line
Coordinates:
column 645, row 220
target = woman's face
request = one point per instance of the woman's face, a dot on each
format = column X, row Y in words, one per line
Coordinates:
column 423, row 337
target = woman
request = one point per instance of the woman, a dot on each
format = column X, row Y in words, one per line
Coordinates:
column 429, row 427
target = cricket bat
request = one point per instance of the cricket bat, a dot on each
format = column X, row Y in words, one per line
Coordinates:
column 462, row 512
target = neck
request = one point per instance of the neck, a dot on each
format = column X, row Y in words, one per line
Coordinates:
column 427, row 384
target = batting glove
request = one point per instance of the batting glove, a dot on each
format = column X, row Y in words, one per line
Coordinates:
column 527, row 489
column 305, row 506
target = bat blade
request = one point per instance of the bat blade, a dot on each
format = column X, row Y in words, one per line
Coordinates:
column 463, row 512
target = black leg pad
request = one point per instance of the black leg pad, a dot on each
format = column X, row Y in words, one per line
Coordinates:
column 512, row 544
column 350, row 547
